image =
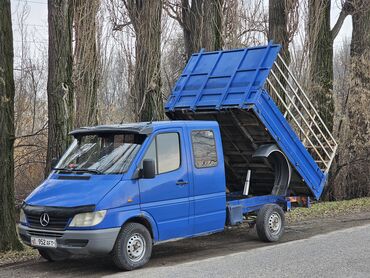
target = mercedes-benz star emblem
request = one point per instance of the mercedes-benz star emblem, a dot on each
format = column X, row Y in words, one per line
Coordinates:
column 44, row 219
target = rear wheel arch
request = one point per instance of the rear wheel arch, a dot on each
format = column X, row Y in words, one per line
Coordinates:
column 281, row 164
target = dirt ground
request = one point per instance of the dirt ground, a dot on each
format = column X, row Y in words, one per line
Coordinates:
column 230, row 241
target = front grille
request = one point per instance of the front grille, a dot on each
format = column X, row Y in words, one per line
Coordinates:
column 45, row 234
column 55, row 222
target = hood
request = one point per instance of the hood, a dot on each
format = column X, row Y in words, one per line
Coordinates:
column 72, row 190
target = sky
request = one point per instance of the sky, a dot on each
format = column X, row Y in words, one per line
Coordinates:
column 36, row 22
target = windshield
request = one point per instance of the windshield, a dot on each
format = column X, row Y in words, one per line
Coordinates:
column 101, row 154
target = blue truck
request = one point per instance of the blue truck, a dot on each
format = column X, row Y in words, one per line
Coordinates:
column 242, row 139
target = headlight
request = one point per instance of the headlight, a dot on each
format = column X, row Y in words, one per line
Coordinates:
column 22, row 216
column 88, row 219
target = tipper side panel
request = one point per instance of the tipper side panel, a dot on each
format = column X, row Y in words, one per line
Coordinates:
column 227, row 86
column 223, row 78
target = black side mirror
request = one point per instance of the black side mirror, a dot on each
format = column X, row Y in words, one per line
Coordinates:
column 148, row 171
column 54, row 162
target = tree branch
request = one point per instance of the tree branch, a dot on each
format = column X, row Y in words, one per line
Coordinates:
column 173, row 12
column 347, row 9
column 33, row 134
column 119, row 27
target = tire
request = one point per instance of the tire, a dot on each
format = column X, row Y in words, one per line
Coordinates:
column 270, row 223
column 53, row 255
column 131, row 236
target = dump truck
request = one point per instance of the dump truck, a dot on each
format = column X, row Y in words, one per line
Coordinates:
column 243, row 141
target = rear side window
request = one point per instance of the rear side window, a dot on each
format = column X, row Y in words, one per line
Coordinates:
column 204, row 148
column 165, row 151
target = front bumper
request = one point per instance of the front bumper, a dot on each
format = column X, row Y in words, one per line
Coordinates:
column 75, row 241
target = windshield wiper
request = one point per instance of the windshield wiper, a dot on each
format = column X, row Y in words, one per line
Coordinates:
column 82, row 170
column 87, row 170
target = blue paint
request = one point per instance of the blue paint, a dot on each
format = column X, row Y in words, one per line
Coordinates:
column 71, row 193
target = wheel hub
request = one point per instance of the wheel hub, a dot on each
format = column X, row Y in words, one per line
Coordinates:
column 274, row 223
column 136, row 247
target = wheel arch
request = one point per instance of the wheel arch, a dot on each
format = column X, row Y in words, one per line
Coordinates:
column 147, row 221
column 282, row 168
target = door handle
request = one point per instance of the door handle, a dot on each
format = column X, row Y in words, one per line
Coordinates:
column 181, row 182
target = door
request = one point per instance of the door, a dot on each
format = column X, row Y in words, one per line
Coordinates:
column 209, row 200
column 166, row 197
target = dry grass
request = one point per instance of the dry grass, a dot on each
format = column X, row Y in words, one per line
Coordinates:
column 329, row 209
column 10, row 257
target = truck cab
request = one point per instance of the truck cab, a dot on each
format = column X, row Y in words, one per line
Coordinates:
column 168, row 177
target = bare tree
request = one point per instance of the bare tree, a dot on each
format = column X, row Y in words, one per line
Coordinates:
column 30, row 120
column 8, row 236
column 146, row 94
column 246, row 23
column 283, row 22
column 321, row 39
column 201, row 22
column 59, row 87
column 352, row 175
column 86, row 72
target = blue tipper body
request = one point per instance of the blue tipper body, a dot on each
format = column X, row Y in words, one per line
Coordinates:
column 234, row 79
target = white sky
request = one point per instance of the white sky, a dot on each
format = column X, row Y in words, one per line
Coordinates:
column 36, row 22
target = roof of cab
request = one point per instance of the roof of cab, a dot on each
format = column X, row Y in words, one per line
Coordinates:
column 138, row 128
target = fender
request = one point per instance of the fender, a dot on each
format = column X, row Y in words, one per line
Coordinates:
column 283, row 170
column 119, row 216
column 146, row 216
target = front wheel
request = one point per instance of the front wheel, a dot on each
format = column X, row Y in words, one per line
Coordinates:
column 270, row 223
column 133, row 247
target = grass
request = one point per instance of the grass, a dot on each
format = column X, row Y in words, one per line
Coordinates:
column 329, row 209
column 18, row 256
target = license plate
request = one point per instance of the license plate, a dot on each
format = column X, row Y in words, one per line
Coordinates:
column 44, row 242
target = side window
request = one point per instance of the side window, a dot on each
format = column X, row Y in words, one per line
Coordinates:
column 204, row 148
column 165, row 151
column 168, row 152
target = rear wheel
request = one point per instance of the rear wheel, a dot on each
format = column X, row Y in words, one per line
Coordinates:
column 53, row 255
column 133, row 247
column 270, row 223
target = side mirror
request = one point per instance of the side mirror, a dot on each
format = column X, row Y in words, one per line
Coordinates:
column 148, row 171
column 54, row 162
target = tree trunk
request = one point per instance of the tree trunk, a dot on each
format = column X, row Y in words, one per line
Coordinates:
column 321, row 59
column 59, row 86
column 231, row 26
column 8, row 236
column 353, row 179
column 212, row 27
column 146, row 93
column 202, row 25
column 86, row 62
column 278, row 32
column 278, row 26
